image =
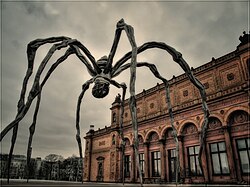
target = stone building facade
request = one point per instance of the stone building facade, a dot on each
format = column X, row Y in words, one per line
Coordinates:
column 227, row 157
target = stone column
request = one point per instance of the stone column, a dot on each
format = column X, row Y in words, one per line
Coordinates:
column 163, row 159
column 229, row 150
column 146, row 157
column 181, row 158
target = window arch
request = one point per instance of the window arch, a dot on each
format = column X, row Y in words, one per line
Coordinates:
column 153, row 136
column 168, row 133
column 214, row 123
column 169, row 137
column 238, row 117
column 189, row 128
column 140, row 139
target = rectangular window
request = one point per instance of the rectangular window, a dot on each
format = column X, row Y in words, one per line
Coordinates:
column 219, row 158
column 172, row 164
column 243, row 146
column 194, row 166
column 142, row 163
column 127, row 165
column 156, row 164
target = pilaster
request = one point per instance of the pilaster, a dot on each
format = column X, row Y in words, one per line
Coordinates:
column 163, row 159
column 229, row 149
column 181, row 158
column 146, row 155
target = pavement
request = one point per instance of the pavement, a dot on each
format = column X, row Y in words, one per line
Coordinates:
column 46, row 183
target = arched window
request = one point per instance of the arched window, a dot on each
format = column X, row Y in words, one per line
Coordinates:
column 155, row 156
column 127, row 166
column 100, row 168
column 239, row 121
column 113, row 140
column 190, row 132
column 114, row 117
column 219, row 158
column 243, row 147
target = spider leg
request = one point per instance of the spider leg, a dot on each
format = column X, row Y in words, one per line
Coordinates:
column 78, row 45
column 124, row 88
column 31, row 51
column 85, row 87
column 118, row 32
column 177, row 57
column 132, row 102
column 32, row 131
column 13, row 141
column 121, row 132
column 23, row 108
column 34, row 45
column 33, row 125
column 156, row 73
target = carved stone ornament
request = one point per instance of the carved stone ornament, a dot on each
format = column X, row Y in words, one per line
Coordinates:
column 206, row 85
column 151, row 105
column 240, row 117
column 230, row 76
column 185, row 93
column 190, row 129
column 214, row 123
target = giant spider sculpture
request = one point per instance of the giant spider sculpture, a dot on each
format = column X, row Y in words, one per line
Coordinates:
column 102, row 71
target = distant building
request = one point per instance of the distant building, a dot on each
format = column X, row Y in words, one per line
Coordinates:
column 227, row 157
column 69, row 169
column 17, row 167
column 3, row 165
column 38, row 161
column 74, row 169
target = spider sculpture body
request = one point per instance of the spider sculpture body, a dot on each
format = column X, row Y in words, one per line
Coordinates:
column 103, row 73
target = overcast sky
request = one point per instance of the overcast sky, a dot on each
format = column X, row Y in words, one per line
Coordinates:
column 199, row 30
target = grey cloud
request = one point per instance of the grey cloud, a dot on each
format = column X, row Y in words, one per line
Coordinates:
column 40, row 9
column 198, row 30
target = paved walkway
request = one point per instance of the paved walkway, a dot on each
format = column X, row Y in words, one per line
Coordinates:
column 44, row 183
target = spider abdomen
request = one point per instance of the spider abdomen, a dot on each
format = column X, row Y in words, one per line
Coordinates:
column 100, row 89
